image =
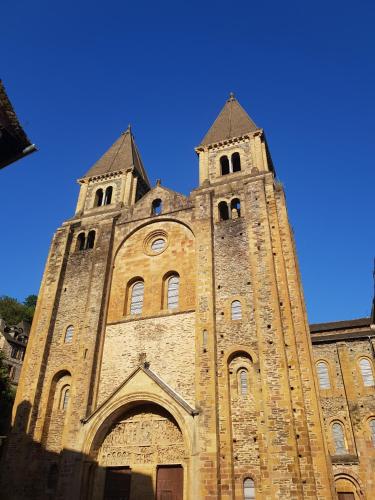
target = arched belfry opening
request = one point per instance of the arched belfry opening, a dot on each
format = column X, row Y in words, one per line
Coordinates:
column 139, row 448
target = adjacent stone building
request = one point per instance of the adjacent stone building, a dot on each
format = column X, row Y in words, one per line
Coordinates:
column 13, row 342
column 170, row 355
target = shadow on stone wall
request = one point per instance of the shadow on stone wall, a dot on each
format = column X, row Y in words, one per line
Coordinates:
column 29, row 472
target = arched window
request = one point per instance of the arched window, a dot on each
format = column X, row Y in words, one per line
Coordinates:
column 69, row 334
column 108, row 195
column 64, row 398
column 236, row 162
column 90, row 240
column 81, row 240
column 372, row 431
column 223, row 210
column 339, row 439
column 224, row 165
column 248, row 489
column 173, row 291
column 136, row 301
column 366, row 371
column 98, row 198
column 323, row 375
column 235, row 208
column 242, row 380
column 236, row 310
column 157, row 206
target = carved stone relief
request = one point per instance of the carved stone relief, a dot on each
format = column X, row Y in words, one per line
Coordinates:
column 147, row 435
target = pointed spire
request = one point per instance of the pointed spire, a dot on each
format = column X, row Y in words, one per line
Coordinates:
column 123, row 154
column 233, row 121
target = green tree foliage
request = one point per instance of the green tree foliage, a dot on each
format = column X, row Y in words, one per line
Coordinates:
column 12, row 311
column 30, row 305
column 30, row 301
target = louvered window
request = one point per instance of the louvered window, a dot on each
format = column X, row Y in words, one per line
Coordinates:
column 366, row 370
column 173, row 292
column 323, row 376
column 236, row 310
column 69, row 334
column 372, row 430
column 249, row 489
column 136, row 303
column 243, row 382
column 339, row 439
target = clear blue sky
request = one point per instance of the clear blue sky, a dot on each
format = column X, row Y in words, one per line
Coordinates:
column 79, row 72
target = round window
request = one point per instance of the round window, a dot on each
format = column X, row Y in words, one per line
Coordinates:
column 158, row 245
column 155, row 243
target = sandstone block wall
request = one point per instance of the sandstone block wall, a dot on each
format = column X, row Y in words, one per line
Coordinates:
column 351, row 404
column 168, row 343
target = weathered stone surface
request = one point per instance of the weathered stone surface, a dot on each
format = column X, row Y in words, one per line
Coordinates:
column 227, row 398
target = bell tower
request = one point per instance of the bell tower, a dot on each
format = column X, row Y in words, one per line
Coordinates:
column 233, row 144
column 118, row 179
column 259, row 379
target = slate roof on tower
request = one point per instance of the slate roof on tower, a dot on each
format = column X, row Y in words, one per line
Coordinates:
column 233, row 121
column 121, row 156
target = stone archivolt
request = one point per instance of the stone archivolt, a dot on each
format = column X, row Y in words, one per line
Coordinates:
column 144, row 436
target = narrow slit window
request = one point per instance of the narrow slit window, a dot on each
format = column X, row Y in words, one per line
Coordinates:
column 243, row 382
column 157, row 206
column 204, row 339
column 90, row 240
column 81, row 241
column 236, row 162
column 339, row 439
column 224, row 165
column 65, row 393
column 98, row 198
column 223, row 210
column 108, row 195
column 366, row 371
column 248, row 489
column 69, row 334
column 137, row 292
column 323, row 375
column 236, row 310
column 372, row 430
column 173, row 292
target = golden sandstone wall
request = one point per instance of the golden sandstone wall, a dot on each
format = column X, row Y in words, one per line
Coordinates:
column 238, row 397
column 348, row 401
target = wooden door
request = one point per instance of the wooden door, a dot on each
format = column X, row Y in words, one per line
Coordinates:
column 117, row 483
column 346, row 496
column 169, row 484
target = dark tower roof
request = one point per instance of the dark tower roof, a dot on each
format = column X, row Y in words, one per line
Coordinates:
column 233, row 121
column 121, row 156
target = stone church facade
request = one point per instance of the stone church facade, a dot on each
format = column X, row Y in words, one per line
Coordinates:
column 170, row 355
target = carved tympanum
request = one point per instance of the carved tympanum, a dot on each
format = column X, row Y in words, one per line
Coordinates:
column 146, row 435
